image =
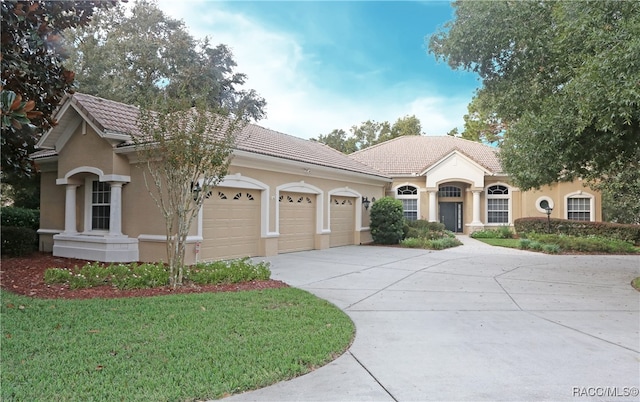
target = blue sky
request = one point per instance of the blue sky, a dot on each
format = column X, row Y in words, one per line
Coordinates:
column 324, row 65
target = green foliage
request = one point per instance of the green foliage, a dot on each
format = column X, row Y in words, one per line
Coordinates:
column 441, row 244
column 625, row 232
column 20, row 217
column 181, row 147
column 369, row 133
column 144, row 55
column 590, row 244
column 18, row 241
column 551, row 248
column 503, row 232
column 233, row 271
column 621, row 193
column 428, row 235
column 423, row 229
column 525, row 244
column 150, row 275
column 481, row 124
column 387, row 221
column 21, row 191
column 561, row 76
column 636, row 283
column 138, row 349
column 33, row 78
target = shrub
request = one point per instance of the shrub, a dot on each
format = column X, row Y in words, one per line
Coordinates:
column 233, row 271
column 18, row 241
column 20, row 217
column 139, row 276
column 525, row 244
column 579, row 228
column 387, row 221
column 503, row 232
column 412, row 242
column 551, row 248
column 151, row 275
column 590, row 244
column 441, row 244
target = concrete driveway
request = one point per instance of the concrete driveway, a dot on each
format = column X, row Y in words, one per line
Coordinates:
column 470, row 323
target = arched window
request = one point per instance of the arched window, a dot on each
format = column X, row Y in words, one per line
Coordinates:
column 498, row 204
column 409, row 197
column 450, row 191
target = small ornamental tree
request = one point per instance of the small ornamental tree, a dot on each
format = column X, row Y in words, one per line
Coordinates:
column 387, row 221
column 187, row 152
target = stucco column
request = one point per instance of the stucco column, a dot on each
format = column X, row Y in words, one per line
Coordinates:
column 115, row 210
column 476, row 208
column 433, row 206
column 70, row 210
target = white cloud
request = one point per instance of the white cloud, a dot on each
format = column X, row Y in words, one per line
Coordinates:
column 276, row 65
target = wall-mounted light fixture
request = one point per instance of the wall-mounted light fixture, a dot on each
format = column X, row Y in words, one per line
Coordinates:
column 365, row 202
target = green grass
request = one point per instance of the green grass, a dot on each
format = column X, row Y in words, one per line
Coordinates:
column 636, row 283
column 511, row 243
column 166, row 348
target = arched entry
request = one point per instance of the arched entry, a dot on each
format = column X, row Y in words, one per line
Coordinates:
column 450, row 206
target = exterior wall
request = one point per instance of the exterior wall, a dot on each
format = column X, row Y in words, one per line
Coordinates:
column 141, row 217
column 52, row 198
column 522, row 203
column 90, row 150
column 557, row 193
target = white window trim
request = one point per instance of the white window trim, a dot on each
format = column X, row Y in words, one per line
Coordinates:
column 88, row 214
column 500, row 196
column 409, row 197
column 581, row 194
column 544, row 198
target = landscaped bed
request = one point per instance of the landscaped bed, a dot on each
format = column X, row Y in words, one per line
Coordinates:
column 194, row 343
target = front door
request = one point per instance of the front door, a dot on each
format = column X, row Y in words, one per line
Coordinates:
column 451, row 216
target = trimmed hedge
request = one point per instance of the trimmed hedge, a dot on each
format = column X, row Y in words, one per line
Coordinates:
column 630, row 233
column 18, row 241
column 20, row 217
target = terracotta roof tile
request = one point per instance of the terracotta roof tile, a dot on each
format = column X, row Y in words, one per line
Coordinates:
column 121, row 118
column 108, row 115
column 412, row 155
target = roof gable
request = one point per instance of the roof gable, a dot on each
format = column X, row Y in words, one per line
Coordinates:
column 455, row 165
column 118, row 122
column 414, row 155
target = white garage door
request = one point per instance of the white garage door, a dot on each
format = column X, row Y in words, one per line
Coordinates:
column 231, row 224
column 297, row 222
column 343, row 221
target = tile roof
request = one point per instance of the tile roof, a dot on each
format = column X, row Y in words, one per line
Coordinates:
column 121, row 118
column 108, row 115
column 412, row 155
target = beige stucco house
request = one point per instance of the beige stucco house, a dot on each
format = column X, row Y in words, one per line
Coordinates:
column 282, row 193
column 461, row 184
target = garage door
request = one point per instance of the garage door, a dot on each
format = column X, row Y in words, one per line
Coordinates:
column 297, row 222
column 343, row 221
column 231, row 224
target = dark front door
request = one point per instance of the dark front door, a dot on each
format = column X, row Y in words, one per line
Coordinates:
column 451, row 216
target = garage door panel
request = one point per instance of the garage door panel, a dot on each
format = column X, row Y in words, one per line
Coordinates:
column 231, row 224
column 343, row 218
column 297, row 222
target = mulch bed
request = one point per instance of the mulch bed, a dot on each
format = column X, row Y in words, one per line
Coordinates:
column 25, row 276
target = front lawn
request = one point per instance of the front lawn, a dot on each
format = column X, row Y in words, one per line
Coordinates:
column 165, row 348
column 510, row 243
